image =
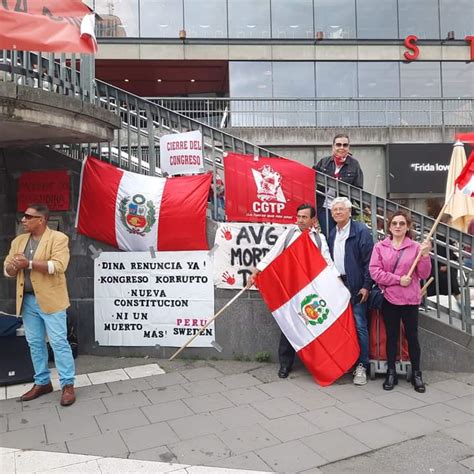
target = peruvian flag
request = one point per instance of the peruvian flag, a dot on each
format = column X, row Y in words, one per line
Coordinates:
column 135, row 212
column 312, row 307
column 465, row 181
column 47, row 25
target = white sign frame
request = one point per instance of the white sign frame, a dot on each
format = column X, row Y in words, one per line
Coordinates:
column 145, row 300
column 181, row 153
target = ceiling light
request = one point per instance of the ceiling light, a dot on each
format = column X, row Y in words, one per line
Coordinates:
column 164, row 26
column 294, row 26
column 127, row 80
column 204, row 26
column 159, row 80
column 251, row 26
column 193, row 80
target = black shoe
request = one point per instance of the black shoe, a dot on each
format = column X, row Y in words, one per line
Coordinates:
column 283, row 372
column 417, row 382
column 390, row 380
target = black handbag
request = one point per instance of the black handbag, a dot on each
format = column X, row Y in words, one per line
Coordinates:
column 376, row 294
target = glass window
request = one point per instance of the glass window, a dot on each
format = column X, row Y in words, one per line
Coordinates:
column 292, row 19
column 336, row 80
column 457, row 16
column 161, row 18
column 418, row 80
column 249, row 18
column 335, row 18
column 205, row 18
column 293, row 79
column 250, row 79
column 420, row 18
column 377, row 19
column 458, row 79
column 379, row 79
column 119, row 18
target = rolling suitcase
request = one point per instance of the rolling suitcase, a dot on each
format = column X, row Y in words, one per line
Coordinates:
column 377, row 350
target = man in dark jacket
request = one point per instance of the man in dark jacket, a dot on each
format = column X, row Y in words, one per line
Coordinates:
column 350, row 244
column 340, row 165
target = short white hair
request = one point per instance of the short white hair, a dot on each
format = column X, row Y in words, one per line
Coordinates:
column 342, row 200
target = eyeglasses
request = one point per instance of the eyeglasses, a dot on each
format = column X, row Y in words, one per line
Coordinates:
column 343, row 145
column 29, row 216
column 398, row 223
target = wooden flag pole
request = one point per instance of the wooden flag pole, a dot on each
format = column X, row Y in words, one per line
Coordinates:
column 432, row 231
column 211, row 320
column 424, row 288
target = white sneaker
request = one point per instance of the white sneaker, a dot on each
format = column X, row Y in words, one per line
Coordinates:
column 360, row 375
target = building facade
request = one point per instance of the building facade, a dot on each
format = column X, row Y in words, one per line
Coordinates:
column 268, row 65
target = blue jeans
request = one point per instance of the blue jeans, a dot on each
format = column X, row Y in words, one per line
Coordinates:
column 37, row 325
column 360, row 316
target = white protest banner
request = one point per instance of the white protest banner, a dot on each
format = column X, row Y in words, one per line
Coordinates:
column 145, row 301
column 181, row 153
column 239, row 248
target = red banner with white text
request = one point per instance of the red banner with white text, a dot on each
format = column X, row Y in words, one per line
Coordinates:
column 266, row 189
column 47, row 25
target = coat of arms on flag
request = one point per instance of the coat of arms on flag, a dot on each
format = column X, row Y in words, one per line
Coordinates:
column 312, row 307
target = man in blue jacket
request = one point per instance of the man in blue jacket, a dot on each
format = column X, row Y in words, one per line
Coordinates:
column 350, row 244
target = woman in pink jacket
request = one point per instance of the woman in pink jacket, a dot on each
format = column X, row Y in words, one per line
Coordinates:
column 390, row 262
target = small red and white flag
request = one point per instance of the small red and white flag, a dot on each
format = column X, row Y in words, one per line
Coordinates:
column 312, row 307
column 134, row 212
column 465, row 181
column 48, row 26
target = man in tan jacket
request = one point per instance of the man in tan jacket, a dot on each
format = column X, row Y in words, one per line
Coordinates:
column 38, row 259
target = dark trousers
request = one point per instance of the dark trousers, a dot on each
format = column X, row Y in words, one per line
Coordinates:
column 286, row 353
column 392, row 315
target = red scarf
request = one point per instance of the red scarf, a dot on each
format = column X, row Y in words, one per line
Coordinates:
column 338, row 161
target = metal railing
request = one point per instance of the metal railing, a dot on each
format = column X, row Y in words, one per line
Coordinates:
column 58, row 73
column 136, row 147
column 323, row 112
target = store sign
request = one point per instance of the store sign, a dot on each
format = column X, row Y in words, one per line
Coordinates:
column 418, row 168
column 145, row 300
column 238, row 249
column 46, row 187
column 414, row 51
column 181, row 153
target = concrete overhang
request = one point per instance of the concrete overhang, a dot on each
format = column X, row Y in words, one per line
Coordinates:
column 32, row 116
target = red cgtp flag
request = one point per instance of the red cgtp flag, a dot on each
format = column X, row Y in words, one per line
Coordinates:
column 312, row 307
column 47, row 25
column 135, row 212
column 465, row 181
column 267, row 189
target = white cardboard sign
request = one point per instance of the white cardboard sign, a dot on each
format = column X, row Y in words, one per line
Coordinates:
column 144, row 301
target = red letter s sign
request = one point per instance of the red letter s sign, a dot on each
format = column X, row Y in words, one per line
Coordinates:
column 410, row 43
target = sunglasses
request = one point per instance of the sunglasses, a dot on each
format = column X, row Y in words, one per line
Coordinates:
column 343, row 145
column 29, row 216
column 398, row 224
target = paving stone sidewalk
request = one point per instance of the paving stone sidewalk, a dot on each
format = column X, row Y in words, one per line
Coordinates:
column 240, row 415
